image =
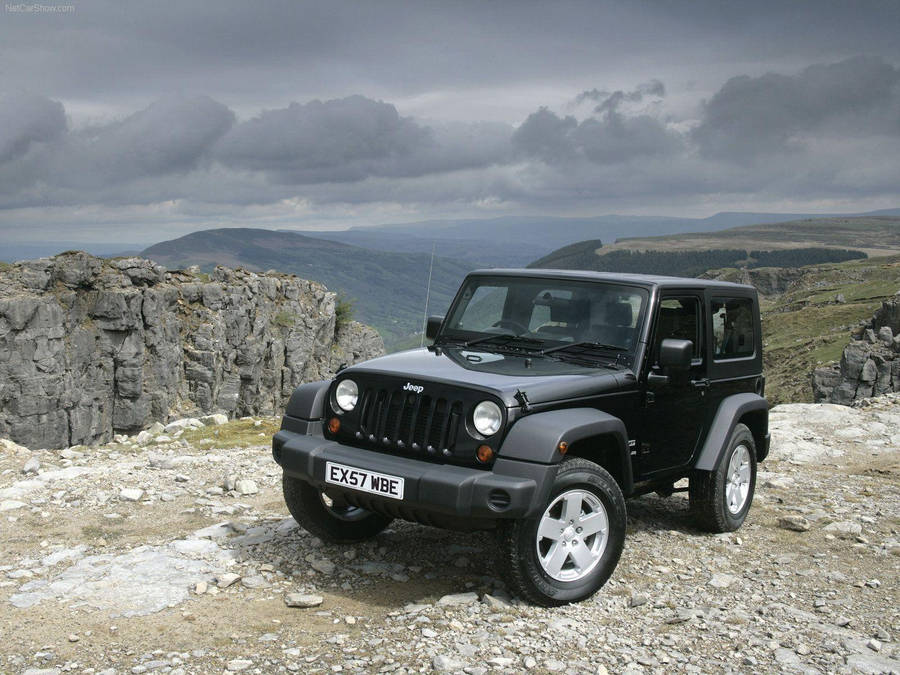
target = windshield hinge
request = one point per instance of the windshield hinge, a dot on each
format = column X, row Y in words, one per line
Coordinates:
column 522, row 398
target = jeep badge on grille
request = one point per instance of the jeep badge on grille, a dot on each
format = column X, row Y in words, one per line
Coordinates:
column 409, row 386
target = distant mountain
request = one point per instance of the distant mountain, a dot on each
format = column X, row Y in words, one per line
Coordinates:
column 483, row 252
column 387, row 288
column 786, row 244
column 480, row 239
column 28, row 250
column 879, row 233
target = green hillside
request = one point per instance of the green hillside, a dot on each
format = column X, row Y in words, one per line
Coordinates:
column 876, row 235
column 809, row 324
column 690, row 263
column 387, row 289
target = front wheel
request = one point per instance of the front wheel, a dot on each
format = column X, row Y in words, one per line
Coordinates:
column 328, row 518
column 720, row 499
column 569, row 551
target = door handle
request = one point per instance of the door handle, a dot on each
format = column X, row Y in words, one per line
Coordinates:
column 702, row 383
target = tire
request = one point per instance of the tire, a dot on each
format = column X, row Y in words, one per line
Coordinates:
column 721, row 499
column 330, row 522
column 521, row 550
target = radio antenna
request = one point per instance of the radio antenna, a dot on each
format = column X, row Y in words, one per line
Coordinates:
column 427, row 295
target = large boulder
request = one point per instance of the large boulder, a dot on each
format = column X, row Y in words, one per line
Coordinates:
column 870, row 364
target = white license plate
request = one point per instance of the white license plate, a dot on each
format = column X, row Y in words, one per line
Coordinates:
column 367, row 481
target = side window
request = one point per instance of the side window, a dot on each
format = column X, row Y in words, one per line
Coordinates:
column 732, row 324
column 679, row 318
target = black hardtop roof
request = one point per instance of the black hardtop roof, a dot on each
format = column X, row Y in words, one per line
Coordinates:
column 648, row 280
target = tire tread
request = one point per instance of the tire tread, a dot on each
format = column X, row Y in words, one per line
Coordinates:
column 509, row 557
column 706, row 489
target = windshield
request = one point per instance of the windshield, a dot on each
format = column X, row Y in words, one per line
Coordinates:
column 546, row 313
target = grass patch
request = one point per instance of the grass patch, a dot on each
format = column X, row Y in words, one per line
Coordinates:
column 237, row 433
column 804, row 328
column 4, row 266
column 96, row 532
column 284, row 319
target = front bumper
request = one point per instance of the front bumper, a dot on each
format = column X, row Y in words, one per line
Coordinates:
column 511, row 489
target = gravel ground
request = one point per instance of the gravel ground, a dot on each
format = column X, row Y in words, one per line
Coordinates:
column 178, row 556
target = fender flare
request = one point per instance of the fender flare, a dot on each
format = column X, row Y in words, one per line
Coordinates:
column 307, row 402
column 731, row 409
column 536, row 437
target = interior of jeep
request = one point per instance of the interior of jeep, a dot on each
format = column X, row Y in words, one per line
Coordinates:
column 552, row 311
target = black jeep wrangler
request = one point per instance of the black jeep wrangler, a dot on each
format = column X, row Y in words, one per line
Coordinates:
column 546, row 398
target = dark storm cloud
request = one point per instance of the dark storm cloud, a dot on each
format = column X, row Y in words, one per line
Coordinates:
column 255, row 55
column 826, row 131
column 353, row 138
column 341, row 140
column 189, row 147
column 751, row 116
column 611, row 136
column 170, row 136
column 26, row 120
column 606, row 100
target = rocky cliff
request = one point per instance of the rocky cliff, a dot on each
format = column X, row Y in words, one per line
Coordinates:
column 91, row 347
column 767, row 280
column 870, row 364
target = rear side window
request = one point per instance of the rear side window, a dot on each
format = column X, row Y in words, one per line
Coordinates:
column 732, row 324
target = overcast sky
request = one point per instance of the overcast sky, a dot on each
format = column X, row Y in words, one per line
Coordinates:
column 137, row 121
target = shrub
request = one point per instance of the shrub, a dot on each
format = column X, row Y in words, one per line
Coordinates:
column 343, row 310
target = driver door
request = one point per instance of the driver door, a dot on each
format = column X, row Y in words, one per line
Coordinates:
column 673, row 412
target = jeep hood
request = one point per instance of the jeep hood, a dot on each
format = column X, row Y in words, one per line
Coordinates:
column 543, row 379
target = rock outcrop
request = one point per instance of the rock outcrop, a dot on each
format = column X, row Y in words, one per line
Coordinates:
column 870, row 364
column 92, row 347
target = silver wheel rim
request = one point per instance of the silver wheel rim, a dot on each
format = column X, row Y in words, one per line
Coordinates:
column 572, row 535
column 342, row 511
column 737, row 482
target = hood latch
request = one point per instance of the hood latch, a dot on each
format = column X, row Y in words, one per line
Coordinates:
column 522, row 398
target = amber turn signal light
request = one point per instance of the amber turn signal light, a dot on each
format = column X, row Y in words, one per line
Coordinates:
column 334, row 425
column 484, row 453
column 562, row 447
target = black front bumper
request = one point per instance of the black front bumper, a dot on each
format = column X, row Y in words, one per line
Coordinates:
column 511, row 489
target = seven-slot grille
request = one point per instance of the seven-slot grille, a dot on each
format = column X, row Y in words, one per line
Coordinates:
column 408, row 421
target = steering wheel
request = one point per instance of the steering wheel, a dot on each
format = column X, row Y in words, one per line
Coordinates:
column 509, row 323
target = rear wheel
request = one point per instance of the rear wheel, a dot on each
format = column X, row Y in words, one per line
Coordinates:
column 329, row 518
column 721, row 499
column 570, row 550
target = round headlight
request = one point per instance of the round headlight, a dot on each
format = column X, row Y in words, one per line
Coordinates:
column 346, row 395
column 487, row 418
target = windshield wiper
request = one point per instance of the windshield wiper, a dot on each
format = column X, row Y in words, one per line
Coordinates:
column 507, row 341
column 506, row 337
column 584, row 347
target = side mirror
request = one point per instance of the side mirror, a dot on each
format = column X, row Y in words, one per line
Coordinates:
column 433, row 326
column 675, row 354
